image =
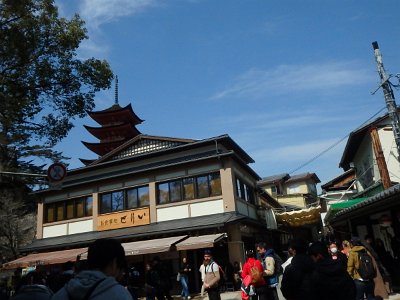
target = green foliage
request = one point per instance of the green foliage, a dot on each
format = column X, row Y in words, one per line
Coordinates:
column 43, row 83
column 44, row 86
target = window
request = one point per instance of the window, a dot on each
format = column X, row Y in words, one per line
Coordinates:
column 69, row 209
column 245, row 191
column 215, row 184
column 189, row 188
column 137, row 197
column 202, row 186
column 49, row 213
column 163, row 193
column 275, row 190
column 80, row 211
column 124, row 199
column 294, row 189
column 143, row 195
column 175, row 191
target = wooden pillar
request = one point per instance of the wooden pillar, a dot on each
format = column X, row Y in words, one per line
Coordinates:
column 380, row 158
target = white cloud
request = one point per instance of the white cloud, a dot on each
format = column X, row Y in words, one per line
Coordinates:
column 267, row 121
column 300, row 153
column 285, row 79
column 97, row 12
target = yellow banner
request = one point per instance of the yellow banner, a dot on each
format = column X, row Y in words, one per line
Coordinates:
column 129, row 218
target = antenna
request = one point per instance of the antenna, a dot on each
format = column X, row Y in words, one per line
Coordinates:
column 389, row 95
column 116, row 89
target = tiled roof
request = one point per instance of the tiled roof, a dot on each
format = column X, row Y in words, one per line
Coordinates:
column 378, row 201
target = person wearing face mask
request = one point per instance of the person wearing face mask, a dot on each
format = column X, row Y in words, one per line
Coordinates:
column 338, row 255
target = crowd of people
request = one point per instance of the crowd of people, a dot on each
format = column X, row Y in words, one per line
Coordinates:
column 350, row 270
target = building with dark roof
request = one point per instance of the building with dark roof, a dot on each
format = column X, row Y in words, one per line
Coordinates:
column 157, row 195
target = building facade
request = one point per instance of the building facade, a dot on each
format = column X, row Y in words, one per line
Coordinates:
column 159, row 196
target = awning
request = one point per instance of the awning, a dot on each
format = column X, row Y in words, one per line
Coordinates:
column 198, row 242
column 45, row 258
column 336, row 207
column 151, row 246
column 301, row 217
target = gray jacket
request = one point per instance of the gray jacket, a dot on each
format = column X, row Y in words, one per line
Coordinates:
column 78, row 287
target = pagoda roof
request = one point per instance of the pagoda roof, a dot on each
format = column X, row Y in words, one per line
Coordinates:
column 105, row 147
column 116, row 114
column 124, row 130
column 86, row 162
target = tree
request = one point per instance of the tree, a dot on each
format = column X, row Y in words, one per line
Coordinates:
column 44, row 85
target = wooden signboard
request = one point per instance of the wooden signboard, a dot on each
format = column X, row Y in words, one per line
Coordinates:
column 129, row 218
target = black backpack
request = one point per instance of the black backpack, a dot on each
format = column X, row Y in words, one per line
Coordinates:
column 366, row 268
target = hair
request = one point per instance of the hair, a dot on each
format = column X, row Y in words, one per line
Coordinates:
column 262, row 245
column 103, row 251
column 318, row 248
column 345, row 243
column 207, row 252
column 299, row 245
column 250, row 253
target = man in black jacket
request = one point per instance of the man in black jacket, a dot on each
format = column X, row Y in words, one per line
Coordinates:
column 296, row 280
column 329, row 280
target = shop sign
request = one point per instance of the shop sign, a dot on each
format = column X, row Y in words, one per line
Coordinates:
column 129, row 218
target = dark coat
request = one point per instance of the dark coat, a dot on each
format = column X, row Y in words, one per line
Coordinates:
column 296, row 280
column 330, row 281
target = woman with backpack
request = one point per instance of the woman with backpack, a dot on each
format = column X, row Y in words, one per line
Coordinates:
column 252, row 275
column 361, row 268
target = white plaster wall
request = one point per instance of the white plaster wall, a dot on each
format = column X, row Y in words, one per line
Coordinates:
column 172, row 213
column 365, row 153
column 390, row 152
column 206, row 208
column 79, row 227
column 55, row 230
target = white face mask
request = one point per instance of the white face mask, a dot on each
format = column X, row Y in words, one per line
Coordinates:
column 333, row 250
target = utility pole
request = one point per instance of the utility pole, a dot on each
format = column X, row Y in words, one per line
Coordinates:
column 389, row 96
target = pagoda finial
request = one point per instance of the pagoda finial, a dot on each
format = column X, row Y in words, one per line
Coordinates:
column 116, row 89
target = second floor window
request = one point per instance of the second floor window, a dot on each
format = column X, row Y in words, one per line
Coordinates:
column 189, row 188
column 244, row 191
column 69, row 209
column 124, row 199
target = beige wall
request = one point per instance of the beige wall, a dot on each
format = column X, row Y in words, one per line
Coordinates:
column 297, row 200
column 224, row 203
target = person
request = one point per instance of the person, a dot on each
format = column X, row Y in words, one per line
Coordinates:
column 329, row 280
column 379, row 284
column 133, row 280
column 237, row 275
column 266, row 255
column 260, row 286
column 184, row 271
column 289, row 259
column 32, row 287
column 296, row 280
column 345, row 247
column 165, row 284
column 106, row 262
column 363, row 285
column 151, row 283
column 202, row 270
column 337, row 255
column 212, row 277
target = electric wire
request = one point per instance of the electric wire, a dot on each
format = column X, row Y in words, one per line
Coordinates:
column 334, row 144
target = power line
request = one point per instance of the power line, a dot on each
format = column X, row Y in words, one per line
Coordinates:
column 334, row 144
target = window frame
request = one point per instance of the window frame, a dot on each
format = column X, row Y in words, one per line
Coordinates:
column 64, row 204
column 183, row 187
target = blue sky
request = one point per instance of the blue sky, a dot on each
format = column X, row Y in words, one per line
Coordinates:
column 285, row 79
